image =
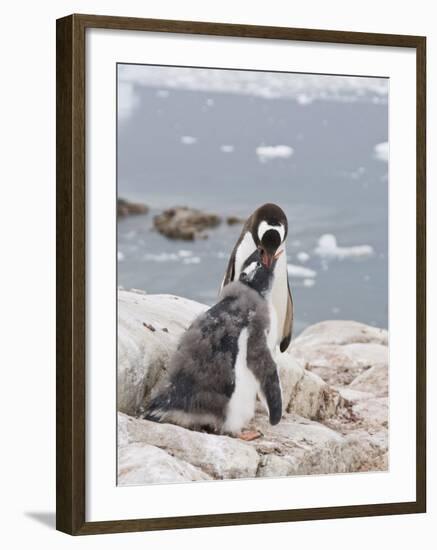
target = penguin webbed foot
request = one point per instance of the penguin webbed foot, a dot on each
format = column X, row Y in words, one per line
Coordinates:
column 250, row 435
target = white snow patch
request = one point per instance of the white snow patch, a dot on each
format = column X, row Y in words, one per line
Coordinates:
column 300, row 271
column 269, row 152
column 188, row 140
column 302, row 256
column 227, row 148
column 328, row 248
column 381, row 151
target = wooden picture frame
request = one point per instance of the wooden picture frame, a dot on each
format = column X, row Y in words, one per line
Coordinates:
column 71, row 254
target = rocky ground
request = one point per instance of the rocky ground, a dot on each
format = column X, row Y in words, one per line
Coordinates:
column 126, row 208
column 335, row 402
column 185, row 223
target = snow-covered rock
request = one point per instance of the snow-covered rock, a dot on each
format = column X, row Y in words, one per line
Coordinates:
column 334, row 381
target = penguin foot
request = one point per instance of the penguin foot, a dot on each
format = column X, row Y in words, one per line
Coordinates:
column 250, row 435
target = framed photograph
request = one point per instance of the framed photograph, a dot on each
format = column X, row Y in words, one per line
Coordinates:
column 240, row 274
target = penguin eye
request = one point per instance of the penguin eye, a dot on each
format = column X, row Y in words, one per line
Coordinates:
column 243, row 276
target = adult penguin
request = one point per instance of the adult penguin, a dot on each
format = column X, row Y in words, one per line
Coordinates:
column 266, row 230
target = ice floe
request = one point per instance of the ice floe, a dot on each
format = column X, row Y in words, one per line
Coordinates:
column 227, row 148
column 120, row 256
column 188, row 140
column 302, row 88
column 269, row 152
column 302, row 256
column 381, row 151
column 162, row 257
column 300, row 271
column 192, row 260
column 127, row 100
column 328, row 248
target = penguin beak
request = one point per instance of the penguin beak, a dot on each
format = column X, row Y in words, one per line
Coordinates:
column 268, row 259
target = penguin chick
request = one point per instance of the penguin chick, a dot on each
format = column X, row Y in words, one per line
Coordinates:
column 266, row 229
column 223, row 361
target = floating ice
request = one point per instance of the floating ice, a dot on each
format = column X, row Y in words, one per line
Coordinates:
column 358, row 173
column 309, row 282
column 162, row 93
column 188, row 140
column 266, row 153
column 185, row 253
column 328, row 248
column 192, row 260
column 304, row 99
column 162, row 257
column 303, row 88
column 127, row 100
column 227, row 148
column 300, row 271
column 381, row 151
column 302, row 256
column 120, row 256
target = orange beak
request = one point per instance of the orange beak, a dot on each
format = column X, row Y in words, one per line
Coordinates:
column 267, row 259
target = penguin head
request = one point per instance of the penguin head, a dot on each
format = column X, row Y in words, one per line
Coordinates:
column 256, row 274
column 269, row 230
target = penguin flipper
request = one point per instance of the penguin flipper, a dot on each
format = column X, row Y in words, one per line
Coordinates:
column 272, row 392
column 230, row 271
column 287, row 330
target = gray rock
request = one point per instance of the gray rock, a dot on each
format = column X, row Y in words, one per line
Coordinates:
column 298, row 446
column 341, row 333
column 340, row 363
column 140, row 464
column 126, row 208
column 374, row 380
column 313, row 398
column 184, row 223
column 221, row 457
column 330, row 425
column 149, row 328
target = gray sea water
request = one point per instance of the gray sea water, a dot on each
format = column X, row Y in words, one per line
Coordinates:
column 198, row 148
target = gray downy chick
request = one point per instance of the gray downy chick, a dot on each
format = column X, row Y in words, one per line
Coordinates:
column 223, row 360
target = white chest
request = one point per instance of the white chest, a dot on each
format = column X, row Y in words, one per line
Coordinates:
column 280, row 293
column 241, row 406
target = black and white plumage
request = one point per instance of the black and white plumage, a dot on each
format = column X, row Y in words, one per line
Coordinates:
column 223, row 361
column 266, row 230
